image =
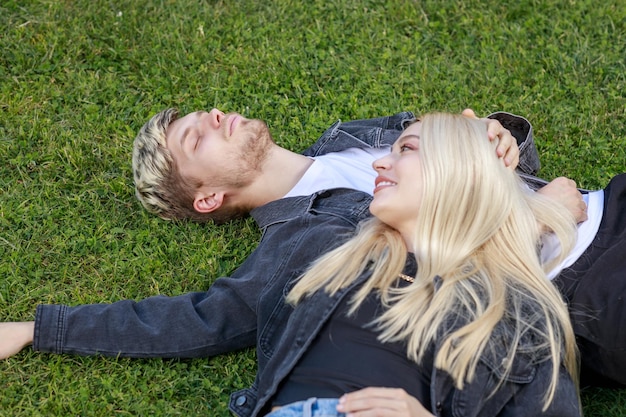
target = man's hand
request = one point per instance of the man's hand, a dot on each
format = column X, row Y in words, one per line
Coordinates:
column 381, row 402
column 15, row 336
column 564, row 191
column 507, row 144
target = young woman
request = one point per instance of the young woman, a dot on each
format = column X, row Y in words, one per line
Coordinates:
column 476, row 330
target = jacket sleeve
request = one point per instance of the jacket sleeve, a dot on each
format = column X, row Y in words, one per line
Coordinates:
column 190, row 325
column 522, row 131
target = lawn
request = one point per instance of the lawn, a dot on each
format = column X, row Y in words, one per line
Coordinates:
column 78, row 78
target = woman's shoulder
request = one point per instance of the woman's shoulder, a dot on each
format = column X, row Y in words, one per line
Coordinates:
column 517, row 342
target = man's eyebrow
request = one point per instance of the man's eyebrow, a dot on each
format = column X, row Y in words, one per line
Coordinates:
column 185, row 134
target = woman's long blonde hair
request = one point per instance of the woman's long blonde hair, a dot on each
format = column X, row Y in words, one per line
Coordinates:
column 478, row 228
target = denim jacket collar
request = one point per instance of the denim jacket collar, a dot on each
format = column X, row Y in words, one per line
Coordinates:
column 282, row 210
column 371, row 133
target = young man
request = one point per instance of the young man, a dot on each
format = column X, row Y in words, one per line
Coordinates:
column 216, row 166
column 220, row 166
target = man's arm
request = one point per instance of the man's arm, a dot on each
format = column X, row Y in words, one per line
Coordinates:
column 563, row 190
column 191, row 325
column 508, row 147
column 15, row 336
column 230, row 314
column 199, row 324
column 524, row 156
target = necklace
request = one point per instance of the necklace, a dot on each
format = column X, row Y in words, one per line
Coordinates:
column 406, row 278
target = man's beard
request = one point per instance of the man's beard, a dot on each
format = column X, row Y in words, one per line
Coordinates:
column 256, row 145
column 249, row 158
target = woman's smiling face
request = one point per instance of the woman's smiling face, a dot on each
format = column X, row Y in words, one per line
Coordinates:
column 397, row 193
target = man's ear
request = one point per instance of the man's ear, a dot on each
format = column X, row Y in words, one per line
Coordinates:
column 206, row 203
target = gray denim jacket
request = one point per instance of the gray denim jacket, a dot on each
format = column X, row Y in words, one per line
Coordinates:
column 246, row 309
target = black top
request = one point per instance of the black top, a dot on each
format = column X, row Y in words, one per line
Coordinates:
column 347, row 356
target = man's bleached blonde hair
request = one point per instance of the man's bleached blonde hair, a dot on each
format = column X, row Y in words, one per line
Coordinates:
column 478, row 229
column 158, row 184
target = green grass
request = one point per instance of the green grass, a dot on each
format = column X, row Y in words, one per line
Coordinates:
column 79, row 77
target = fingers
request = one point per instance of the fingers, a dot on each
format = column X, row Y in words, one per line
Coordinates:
column 564, row 191
column 579, row 209
column 469, row 113
column 375, row 401
column 372, row 401
column 496, row 130
column 507, row 148
column 582, row 213
column 573, row 198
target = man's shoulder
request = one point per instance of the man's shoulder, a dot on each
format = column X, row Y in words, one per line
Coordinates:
column 348, row 205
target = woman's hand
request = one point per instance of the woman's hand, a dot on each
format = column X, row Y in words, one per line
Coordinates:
column 507, row 145
column 15, row 336
column 381, row 402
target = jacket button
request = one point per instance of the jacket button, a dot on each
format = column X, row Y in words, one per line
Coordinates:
column 241, row 400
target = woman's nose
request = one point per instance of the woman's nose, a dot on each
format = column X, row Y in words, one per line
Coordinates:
column 381, row 163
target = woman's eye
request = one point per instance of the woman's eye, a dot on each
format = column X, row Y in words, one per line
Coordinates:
column 405, row 148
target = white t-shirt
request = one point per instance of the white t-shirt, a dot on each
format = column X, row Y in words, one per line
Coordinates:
column 587, row 231
column 350, row 168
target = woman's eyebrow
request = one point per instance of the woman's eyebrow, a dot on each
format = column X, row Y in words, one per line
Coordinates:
column 405, row 138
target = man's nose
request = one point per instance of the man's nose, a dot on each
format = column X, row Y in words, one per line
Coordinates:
column 216, row 117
